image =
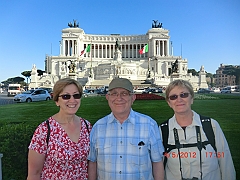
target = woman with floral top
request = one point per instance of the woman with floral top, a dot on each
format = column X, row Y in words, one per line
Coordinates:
column 60, row 145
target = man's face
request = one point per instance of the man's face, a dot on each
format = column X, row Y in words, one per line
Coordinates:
column 120, row 101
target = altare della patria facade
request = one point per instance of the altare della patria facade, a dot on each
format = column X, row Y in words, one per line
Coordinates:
column 94, row 60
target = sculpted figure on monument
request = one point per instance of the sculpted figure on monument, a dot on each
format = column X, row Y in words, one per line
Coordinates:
column 72, row 67
column 75, row 24
column 175, row 66
column 117, row 44
column 155, row 25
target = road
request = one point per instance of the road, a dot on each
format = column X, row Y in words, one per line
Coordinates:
column 4, row 99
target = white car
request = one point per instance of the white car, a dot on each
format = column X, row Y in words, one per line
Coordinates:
column 1, row 90
column 216, row 89
column 139, row 90
column 33, row 95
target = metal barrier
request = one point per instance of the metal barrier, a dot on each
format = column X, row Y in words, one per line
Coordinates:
column 1, row 155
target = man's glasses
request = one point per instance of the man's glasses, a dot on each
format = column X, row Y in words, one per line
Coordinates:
column 68, row 96
column 182, row 95
column 121, row 94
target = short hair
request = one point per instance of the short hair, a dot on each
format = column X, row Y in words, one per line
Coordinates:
column 180, row 83
column 62, row 83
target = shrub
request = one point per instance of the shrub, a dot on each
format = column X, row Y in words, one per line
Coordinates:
column 14, row 142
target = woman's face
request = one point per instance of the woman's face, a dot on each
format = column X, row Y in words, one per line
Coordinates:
column 180, row 100
column 69, row 106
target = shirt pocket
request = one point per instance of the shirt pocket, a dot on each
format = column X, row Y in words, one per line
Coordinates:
column 140, row 152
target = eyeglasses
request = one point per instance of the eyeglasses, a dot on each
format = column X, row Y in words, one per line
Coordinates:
column 68, row 96
column 121, row 94
column 182, row 95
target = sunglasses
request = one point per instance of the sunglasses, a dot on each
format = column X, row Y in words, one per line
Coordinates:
column 182, row 95
column 68, row 96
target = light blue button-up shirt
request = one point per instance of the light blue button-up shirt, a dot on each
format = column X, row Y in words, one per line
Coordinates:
column 125, row 151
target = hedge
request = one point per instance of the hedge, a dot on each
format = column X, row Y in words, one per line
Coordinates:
column 14, row 142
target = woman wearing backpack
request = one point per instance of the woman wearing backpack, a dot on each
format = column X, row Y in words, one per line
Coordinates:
column 195, row 147
column 60, row 145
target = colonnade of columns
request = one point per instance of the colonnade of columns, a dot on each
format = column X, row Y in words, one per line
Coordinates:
column 107, row 50
column 69, row 48
column 161, row 48
column 129, row 51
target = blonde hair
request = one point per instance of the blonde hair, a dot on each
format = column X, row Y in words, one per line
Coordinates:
column 62, row 83
column 180, row 83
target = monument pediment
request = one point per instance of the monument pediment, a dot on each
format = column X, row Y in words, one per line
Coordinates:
column 72, row 30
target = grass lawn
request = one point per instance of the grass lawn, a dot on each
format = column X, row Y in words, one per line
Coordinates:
column 225, row 109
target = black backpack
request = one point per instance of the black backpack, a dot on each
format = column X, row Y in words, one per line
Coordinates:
column 207, row 128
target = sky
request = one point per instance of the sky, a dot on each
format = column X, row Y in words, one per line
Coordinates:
column 205, row 32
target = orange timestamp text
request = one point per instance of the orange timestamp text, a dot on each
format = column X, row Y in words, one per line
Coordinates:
column 193, row 155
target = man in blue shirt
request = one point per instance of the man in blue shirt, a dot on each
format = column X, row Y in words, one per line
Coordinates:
column 125, row 144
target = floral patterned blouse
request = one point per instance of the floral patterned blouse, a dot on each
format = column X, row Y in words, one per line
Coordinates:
column 65, row 159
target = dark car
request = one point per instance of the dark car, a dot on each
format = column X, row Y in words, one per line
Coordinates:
column 204, row 91
column 152, row 90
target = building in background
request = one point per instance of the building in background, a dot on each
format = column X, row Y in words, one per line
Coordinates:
column 94, row 60
column 222, row 78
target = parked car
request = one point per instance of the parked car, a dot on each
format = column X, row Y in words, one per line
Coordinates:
column 153, row 90
column 215, row 89
column 139, row 90
column 33, row 95
column 49, row 90
column 203, row 90
column 1, row 90
column 91, row 92
column 226, row 90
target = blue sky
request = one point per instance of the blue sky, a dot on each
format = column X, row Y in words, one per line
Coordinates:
column 207, row 30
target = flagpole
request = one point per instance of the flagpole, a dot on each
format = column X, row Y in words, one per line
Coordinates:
column 91, row 58
column 149, row 74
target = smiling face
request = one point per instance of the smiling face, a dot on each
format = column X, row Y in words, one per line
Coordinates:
column 181, row 105
column 69, row 106
column 120, row 101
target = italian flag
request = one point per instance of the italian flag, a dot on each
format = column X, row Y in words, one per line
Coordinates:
column 144, row 49
column 87, row 49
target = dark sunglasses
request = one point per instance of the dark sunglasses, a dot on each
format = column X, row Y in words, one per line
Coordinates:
column 68, row 96
column 182, row 95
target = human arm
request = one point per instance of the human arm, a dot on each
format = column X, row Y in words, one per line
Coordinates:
column 158, row 170
column 225, row 160
column 92, row 170
column 35, row 165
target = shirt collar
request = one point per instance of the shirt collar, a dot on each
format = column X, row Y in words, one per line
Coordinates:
column 131, row 118
column 196, row 121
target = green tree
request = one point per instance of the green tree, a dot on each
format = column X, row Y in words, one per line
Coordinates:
column 40, row 72
column 27, row 74
column 210, row 75
column 193, row 71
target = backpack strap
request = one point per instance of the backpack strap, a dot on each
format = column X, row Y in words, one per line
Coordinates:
column 165, row 134
column 207, row 128
column 86, row 125
column 48, row 133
